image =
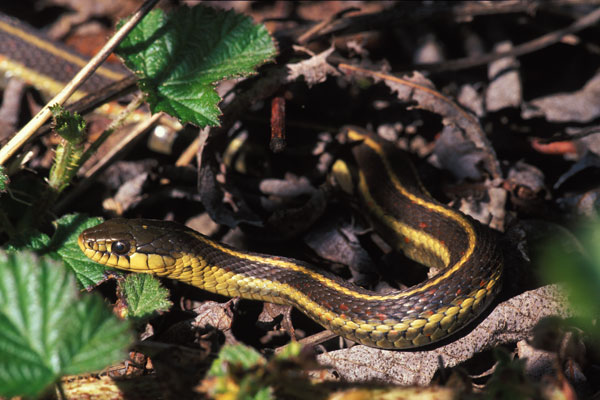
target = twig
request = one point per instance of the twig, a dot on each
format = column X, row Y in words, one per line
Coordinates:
column 277, row 143
column 41, row 117
column 193, row 149
column 114, row 125
column 525, row 48
column 314, row 30
column 417, row 12
column 114, row 152
column 578, row 134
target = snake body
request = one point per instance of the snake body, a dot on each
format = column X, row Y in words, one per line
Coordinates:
column 399, row 208
column 48, row 65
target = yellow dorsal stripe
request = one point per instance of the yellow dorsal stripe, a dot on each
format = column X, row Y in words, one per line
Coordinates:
column 425, row 240
column 43, row 83
column 348, row 291
column 455, row 216
column 50, row 48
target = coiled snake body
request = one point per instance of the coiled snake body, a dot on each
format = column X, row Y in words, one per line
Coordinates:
column 399, row 208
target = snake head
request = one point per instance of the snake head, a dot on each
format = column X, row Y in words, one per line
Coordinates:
column 131, row 245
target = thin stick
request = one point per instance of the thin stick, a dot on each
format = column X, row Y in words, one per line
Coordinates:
column 525, row 48
column 114, row 152
column 41, row 117
column 114, row 125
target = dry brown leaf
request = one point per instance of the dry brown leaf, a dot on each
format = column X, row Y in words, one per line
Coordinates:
column 421, row 91
column 504, row 90
column 314, row 70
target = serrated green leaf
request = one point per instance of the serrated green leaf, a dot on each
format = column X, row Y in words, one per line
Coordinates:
column 70, row 126
column 179, row 57
column 4, row 179
column 29, row 240
column 97, row 340
column 238, row 373
column 64, row 242
column 244, row 356
column 144, row 295
column 45, row 331
column 63, row 246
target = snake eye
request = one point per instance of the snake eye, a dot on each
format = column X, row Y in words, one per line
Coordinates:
column 120, row 247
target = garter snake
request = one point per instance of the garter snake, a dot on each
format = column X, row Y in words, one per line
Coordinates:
column 46, row 64
column 399, row 208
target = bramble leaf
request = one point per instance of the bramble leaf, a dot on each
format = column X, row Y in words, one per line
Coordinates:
column 46, row 331
column 179, row 57
column 144, row 295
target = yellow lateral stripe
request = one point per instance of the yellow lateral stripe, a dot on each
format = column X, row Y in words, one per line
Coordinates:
column 50, row 48
column 462, row 222
column 282, row 290
column 294, row 267
column 432, row 244
column 298, row 268
column 41, row 82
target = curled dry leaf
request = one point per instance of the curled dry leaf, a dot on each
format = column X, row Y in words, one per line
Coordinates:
column 421, row 91
column 314, row 70
column 509, row 322
column 457, row 155
column 335, row 239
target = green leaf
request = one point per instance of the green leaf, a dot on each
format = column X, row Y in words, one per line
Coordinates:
column 144, row 295
column 564, row 261
column 4, row 179
column 67, row 158
column 63, row 246
column 179, row 58
column 70, row 126
column 46, row 331
column 64, row 243
column 236, row 373
column 30, row 239
column 239, row 355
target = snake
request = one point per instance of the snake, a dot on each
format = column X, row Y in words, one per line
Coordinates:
column 387, row 189
column 28, row 54
column 48, row 65
column 466, row 253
